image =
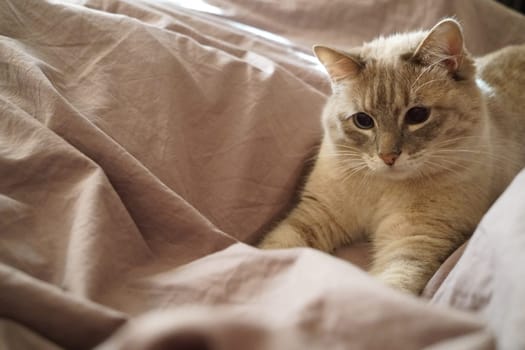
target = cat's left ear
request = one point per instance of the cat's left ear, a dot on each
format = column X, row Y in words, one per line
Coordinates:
column 442, row 45
column 339, row 65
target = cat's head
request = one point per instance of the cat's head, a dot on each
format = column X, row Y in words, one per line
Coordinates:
column 403, row 106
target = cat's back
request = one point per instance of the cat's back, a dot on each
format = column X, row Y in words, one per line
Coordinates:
column 503, row 71
column 502, row 82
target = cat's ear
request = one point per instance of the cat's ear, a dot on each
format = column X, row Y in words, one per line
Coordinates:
column 442, row 45
column 339, row 65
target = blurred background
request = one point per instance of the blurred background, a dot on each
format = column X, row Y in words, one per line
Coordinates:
column 515, row 4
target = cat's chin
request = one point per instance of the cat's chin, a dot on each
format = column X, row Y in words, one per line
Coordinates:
column 395, row 173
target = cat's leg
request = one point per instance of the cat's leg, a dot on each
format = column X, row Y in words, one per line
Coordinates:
column 310, row 224
column 407, row 254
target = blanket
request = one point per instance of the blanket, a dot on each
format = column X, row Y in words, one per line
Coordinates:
column 145, row 146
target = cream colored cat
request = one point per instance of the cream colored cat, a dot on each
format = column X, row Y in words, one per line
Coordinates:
column 416, row 147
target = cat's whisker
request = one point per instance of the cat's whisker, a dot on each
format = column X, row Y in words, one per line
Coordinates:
column 426, row 175
column 457, row 140
column 427, row 83
column 495, row 142
column 452, row 157
column 441, row 166
column 311, row 159
column 346, row 146
column 426, row 70
column 347, row 163
column 345, row 167
column 348, row 150
column 457, row 165
column 344, row 149
column 483, row 153
column 423, row 72
column 465, row 164
column 340, row 156
column 343, row 153
column 354, row 171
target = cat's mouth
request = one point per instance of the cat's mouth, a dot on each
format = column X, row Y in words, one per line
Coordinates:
column 402, row 169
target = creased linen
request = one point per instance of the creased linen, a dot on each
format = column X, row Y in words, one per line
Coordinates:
column 144, row 145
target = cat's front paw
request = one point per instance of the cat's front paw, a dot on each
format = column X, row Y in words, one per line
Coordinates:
column 269, row 244
column 282, row 237
column 408, row 279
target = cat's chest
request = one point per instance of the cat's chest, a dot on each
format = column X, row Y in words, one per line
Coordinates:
column 375, row 199
column 366, row 205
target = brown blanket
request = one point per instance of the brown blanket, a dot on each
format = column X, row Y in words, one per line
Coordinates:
column 145, row 144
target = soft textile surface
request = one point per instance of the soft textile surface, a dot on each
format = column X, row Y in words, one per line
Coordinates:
column 143, row 145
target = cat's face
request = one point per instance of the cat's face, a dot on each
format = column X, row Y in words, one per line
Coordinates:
column 397, row 111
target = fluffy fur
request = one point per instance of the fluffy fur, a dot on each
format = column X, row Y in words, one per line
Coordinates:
column 415, row 190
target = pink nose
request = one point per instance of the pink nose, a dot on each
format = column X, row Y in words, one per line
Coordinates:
column 389, row 158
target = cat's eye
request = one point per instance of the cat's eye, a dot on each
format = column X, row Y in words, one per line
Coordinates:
column 363, row 120
column 417, row 115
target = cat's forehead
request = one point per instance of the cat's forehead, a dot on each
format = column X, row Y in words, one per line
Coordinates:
column 382, row 88
column 384, row 93
column 391, row 48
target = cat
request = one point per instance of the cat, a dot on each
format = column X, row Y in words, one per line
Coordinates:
column 419, row 140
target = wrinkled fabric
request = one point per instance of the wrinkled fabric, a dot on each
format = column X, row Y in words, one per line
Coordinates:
column 496, row 289
column 145, row 144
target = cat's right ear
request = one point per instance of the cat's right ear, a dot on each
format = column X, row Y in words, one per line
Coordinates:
column 339, row 65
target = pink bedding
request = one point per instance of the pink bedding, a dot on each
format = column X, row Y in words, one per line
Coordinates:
column 144, row 145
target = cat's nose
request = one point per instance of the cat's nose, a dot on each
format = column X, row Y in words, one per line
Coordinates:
column 389, row 158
